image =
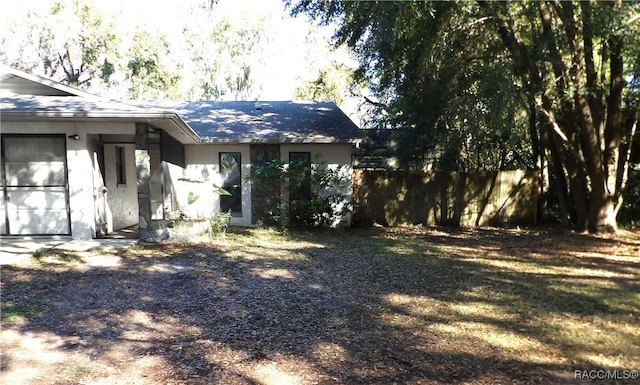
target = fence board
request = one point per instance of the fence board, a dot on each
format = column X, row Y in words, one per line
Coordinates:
column 400, row 197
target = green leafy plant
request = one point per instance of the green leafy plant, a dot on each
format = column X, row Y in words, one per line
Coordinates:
column 219, row 223
column 629, row 214
column 192, row 198
column 181, row 217
column 315, row 193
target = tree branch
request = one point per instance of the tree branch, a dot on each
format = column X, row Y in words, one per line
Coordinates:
column 373, row 102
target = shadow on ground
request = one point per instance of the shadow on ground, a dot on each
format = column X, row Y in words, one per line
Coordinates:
column 354, row 307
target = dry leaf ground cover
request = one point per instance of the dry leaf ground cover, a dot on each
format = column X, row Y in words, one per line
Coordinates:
column 379, row 306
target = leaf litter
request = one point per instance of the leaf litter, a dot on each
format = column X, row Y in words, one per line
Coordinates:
column 379, row 306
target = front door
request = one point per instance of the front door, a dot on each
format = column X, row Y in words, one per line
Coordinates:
column 100, row 199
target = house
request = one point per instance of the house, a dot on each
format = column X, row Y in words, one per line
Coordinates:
column 77, row 165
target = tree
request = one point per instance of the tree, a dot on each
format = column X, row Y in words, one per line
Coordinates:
column 573, row 72
column 225, row 57
column 561, row 71
column 436, row 85
column 72, row 42
column 78, row 44
column 316, row 193
column 149, row 72
column 331, row 85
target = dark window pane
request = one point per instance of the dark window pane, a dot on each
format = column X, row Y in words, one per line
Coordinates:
column 230, row 170
column 121, row 170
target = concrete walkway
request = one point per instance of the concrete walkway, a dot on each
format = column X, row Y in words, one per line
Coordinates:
column 14, row 250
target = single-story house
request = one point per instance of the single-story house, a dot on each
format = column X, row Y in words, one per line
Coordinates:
column 74, row 164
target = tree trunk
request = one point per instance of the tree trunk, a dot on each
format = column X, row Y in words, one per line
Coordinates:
column 600, row 208
column 602, row 213
column 561, row 185
column 612, row 137
column 585, row 150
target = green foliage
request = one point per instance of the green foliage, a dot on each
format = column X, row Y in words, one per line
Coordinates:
column 72, row 41
column 436, row 77
column 315, row 191
column 220, row 223
column 331, row 85
column 192, row 198
column 178, row 219
column 105, row 49
column 12, row 312
column 78, row 44
column 629, row 214
column 499, row 85
column 151, row 75
column 224, row 57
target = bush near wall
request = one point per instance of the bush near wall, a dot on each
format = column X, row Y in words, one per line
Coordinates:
column 301, row 193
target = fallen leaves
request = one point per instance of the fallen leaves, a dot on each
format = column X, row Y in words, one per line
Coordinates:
column 406, row 306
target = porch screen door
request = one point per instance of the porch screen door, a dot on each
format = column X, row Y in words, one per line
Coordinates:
column 35, row 170
column 3, row 202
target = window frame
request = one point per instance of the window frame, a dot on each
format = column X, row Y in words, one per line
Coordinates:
column 235, row 200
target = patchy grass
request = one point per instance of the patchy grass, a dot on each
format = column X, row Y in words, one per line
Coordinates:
column 380, row 306
column 16, row 313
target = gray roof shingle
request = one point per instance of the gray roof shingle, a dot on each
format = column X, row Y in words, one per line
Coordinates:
column 65, row 108
column 212, row 121
column 34, row 104
column 25, row 96
column 264, row 121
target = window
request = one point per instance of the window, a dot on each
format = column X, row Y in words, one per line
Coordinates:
column 230, row 170
column 300, row 157
column 121, row 170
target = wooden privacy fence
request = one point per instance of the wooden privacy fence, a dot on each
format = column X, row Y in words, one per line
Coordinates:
column 393, row 198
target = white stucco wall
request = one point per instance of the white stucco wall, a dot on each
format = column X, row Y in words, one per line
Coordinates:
column 203, row 165
column 80, row 168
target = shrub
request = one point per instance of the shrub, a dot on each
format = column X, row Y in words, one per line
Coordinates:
column 315, row 191
column 629, row 214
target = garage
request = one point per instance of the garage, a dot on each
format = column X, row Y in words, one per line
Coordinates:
column 34, row 196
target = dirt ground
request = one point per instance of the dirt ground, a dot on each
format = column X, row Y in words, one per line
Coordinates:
column 381, row 306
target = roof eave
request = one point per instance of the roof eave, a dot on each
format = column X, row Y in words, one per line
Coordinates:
column 4, row 69
column 208, row 140
column 185, row 133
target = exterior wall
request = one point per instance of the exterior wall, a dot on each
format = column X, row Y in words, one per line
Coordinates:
column 203, row 171
column 335, row 156
column 80, row 168
column 203, row 168
column 171, row 175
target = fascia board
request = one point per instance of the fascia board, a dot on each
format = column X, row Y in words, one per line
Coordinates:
column 121, row 116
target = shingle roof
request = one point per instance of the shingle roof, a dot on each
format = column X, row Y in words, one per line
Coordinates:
column 28, row 97
column 62, row 105
column 276, row 122
column 65, row 108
